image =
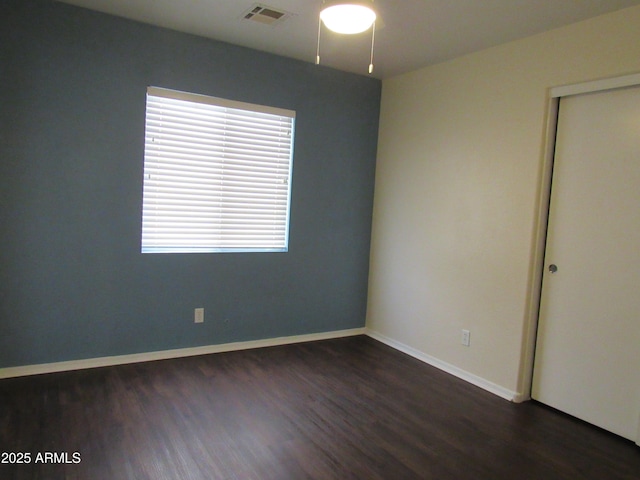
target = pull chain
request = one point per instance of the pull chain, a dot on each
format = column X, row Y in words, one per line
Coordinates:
column 373, row 36
column 318, row 47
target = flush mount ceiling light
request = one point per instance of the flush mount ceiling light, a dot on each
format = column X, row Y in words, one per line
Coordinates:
column 348, row 18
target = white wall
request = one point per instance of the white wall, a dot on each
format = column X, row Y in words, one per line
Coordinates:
column 460, row 159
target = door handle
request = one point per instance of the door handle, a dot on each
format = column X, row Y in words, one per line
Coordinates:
column 553, row 268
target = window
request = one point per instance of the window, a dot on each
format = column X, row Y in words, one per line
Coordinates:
column 217, row 175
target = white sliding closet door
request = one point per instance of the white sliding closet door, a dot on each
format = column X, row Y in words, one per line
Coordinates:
column 587, row 359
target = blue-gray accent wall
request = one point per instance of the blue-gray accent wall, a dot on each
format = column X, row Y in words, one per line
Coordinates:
column 73, row 283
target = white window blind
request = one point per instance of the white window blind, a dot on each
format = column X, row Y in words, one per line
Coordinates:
column 216, row 174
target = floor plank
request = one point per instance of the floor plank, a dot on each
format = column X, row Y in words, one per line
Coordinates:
column 348, row 408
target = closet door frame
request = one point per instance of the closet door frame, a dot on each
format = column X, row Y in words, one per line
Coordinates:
column 542, row 216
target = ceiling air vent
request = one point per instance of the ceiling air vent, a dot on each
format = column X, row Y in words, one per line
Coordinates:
column 266, row 15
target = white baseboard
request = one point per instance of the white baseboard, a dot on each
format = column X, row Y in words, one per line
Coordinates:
column 167, row 354
column 39, row 369
column 448, row 368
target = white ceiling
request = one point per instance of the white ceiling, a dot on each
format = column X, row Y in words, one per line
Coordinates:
column 410, row 33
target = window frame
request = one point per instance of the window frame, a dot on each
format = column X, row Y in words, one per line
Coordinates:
column 265, row 183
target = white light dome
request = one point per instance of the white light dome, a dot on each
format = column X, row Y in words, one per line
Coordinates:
column 348, row 18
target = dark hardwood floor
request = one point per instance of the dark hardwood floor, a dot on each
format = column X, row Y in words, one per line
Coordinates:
column 349, row 408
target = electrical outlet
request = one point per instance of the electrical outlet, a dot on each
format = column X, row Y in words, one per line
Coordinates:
column 199, row 315
column 466, row 338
